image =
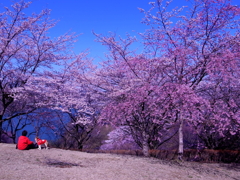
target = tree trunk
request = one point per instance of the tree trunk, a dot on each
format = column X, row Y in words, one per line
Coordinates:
column 14, row 138
column 1, row 130
column 145, row 145
column 180, row 147
column 79, row 145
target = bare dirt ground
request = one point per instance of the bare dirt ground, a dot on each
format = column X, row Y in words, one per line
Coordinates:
column 61, row 164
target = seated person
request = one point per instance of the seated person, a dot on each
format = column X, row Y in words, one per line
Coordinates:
column 24, row 142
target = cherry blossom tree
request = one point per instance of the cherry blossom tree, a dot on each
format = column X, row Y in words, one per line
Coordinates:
column 218, row 123
column 72, row 98
column 120, row 138
column 200, row 43
column 184, row 50
column 138, row 95
column 26, row 52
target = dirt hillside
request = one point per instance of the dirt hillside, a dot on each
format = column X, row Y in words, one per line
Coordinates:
column 61, row 164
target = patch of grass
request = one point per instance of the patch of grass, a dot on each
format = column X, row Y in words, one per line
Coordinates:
column 60, row 164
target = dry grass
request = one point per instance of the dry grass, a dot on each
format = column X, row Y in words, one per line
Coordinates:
column 206, row 156
column 65, row 164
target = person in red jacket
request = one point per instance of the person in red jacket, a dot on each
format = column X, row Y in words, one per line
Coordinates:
column 24, row 142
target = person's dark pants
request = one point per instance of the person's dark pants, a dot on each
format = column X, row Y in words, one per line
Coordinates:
column 30, row 146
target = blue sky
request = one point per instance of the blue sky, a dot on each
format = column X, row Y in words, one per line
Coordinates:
column 100, row 16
